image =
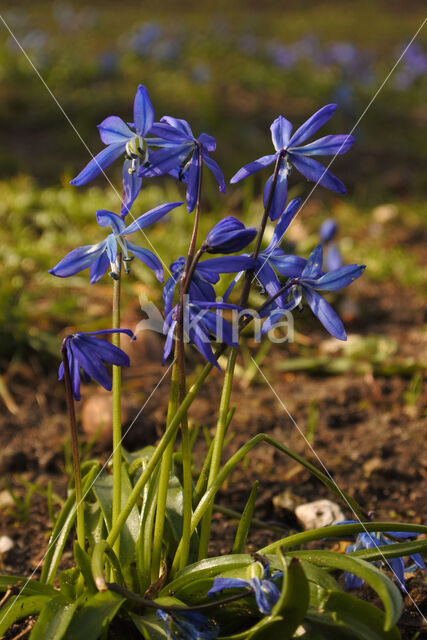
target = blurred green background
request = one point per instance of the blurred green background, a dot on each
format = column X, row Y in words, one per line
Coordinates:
column 229, row 68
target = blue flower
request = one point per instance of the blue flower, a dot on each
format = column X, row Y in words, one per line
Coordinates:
column 188, row 625
column 180, row 155
column 205, row 275
column 88, row 353
column 229, row 235
column 274, row 256
column 265, row 591
column 367, row 540
column 120, row 139
column 290, row 152
column 307, row 282
column 104, row 254
column 200, row 325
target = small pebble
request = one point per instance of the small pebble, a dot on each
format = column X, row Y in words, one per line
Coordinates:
column 6, row 544
column 319, row 513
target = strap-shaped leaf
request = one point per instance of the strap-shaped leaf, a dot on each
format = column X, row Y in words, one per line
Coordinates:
column 62, row 529
column 18, row 607
column 294, row 598
column 94, row 616
column 396, row 550
column 245, row 521
column 32, row 587
column 103, row 490
column 54, row 619
column 340, row 531
column 386, row 589
column 345, row 614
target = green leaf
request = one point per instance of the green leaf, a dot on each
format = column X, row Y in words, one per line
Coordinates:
column 18, row 607
column 397, row 550
column 62, row 529
column 271, row 628
column 30, row 587
column 83, row 562
column 103, row 490
column 94, row 616
column 54, row 619
column 70, row 584
column 245, row 521
column 320, row 583
column 294, row 598
column 388, row 592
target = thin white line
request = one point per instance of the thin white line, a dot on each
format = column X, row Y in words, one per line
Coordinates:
column 380, row 88
column 343, row 497
column 52, row 95
column 52, row 542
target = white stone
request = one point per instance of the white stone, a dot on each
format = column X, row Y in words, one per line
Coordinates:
column 319, row 513
column 6, row 544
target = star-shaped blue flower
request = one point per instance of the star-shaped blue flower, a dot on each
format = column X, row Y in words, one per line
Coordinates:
column 307, row 282
column 120, row 139
column 265, row 591
column 290, row 152
column 180, row 155
column 88, row 353
column 104, row 254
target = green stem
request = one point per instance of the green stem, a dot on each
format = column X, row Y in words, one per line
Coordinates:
column 165, row 467
column 159, row 451
column 117, row 413
column 218, row 444
column 74, row 447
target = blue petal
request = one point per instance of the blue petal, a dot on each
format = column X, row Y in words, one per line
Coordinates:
column 200, row 290
column 339, row 278
column 150, row 217
column 148, row 258
column 193, row 181
column 328, row 230
column 316, row 172
column 220, row 584
column 313, row 268
column 281, row 130
column 168, row 291
column 311, row 125
column 102, row 160
column 113, row 130
column 229, row 264
column 277, row 314
column 90, row 362
column 132, row 184
column 170, row 133
column 99, row 267
column 260, row 597
column 109, row 219
column 253, row 167
column 278, row 202
column 352, row 581
column 327, row 146
column 267, row 277
column 165, row 160
column 200, row 339
column 214, row 167
column 178, row 123
column 78, row 259
column 333, row 258
column 325, row 314
column 220, row 328
column 168, row 342
column 416, row 557
column 106, row 351
column 111, row 248
column 208, row 142
column 288, row 266
column 143, row 112
column 284, row 222
column 398, row 567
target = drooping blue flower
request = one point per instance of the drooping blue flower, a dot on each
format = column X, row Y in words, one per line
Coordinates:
column 188, row 625
column 120, row 139
column 265, row 591
column 229, row 235
column 273, row 257
column 290, row 152
column 205, row 275
column 180, row 155
column 307, row 283
column 200, row 325
column 367, row 540
column 89, row 353
column 104, row 254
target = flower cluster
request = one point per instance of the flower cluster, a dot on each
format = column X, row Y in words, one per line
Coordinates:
column 151, row 149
